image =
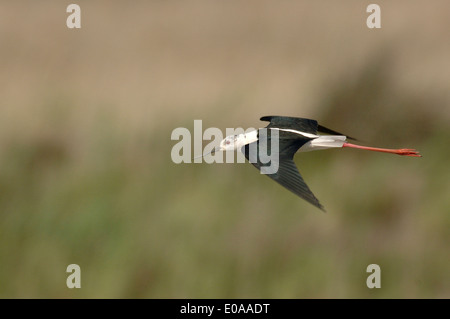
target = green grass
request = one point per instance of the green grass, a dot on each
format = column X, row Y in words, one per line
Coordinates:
column 141, row 226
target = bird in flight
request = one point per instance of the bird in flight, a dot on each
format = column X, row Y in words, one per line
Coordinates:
column 293, row 134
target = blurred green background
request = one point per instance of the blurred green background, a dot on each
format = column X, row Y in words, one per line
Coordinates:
column 86, row 175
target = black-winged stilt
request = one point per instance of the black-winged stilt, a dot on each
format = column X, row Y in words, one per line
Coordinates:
column 294, row 134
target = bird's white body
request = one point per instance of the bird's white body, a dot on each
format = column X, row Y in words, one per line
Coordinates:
column 318, row 142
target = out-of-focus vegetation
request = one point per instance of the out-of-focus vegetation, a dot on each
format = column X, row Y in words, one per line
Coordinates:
column 86, row 175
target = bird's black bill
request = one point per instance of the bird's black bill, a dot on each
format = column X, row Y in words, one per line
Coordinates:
column 210, row 153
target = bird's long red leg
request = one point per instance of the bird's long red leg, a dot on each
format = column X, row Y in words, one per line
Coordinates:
column 400, row 151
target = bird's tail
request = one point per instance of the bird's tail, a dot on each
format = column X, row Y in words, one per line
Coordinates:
column 324, row 142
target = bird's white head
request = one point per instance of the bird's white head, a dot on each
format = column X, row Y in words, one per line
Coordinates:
column 229, row 143
column 235, row 142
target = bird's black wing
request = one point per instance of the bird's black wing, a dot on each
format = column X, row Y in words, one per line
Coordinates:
column 295, row 123
column 300, row 124
column 323, row 129
column 287, row 175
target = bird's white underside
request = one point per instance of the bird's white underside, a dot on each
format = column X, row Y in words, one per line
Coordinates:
column 318, row 142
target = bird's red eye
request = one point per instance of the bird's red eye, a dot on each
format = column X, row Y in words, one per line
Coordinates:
column 227, row 142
